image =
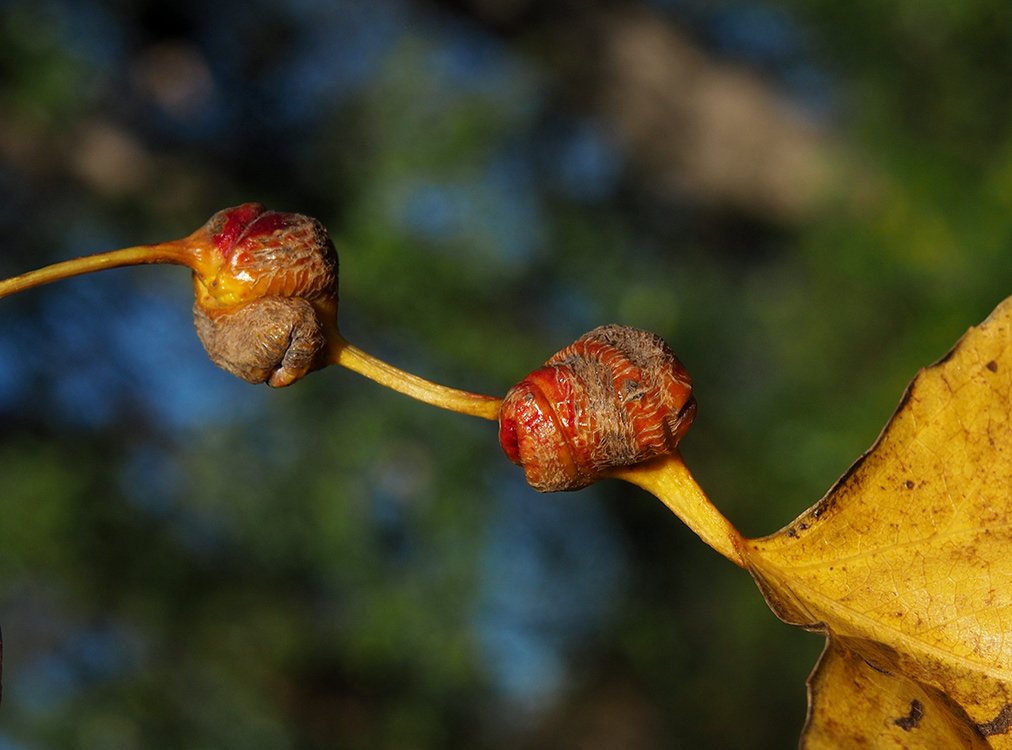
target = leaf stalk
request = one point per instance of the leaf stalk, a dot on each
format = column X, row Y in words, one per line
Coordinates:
column 669, row 479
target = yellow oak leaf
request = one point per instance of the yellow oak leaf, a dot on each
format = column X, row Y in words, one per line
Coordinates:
column 906, row 565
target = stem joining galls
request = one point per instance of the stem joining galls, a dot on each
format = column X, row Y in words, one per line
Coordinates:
column 615, row 397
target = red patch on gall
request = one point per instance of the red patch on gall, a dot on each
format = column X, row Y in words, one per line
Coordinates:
column 267, row 223
column 243, row 225
column 528, row 415
column 508, row 439
column 236, row 220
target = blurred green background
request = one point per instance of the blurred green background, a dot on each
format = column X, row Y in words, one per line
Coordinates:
column 807, row 200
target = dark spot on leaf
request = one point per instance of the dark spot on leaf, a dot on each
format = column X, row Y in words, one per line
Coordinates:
column 877, row 668
column 1000, row 724
column 879, row 656
column 912, row 719
column 992, row 366
column 822, row 506
column 908, row 484
column 792, row 533
column 802, row 526
column 880, row 670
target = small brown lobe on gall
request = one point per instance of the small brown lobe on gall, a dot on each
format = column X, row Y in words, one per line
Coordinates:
column 615, row 397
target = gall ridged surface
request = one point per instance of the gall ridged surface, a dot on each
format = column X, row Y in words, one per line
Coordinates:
column 268, row 253
column 264, row 313
column 615, row 397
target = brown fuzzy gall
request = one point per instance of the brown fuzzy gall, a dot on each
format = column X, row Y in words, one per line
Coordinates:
column 615, row 397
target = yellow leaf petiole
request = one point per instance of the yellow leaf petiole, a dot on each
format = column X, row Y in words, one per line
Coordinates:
column 669, row 479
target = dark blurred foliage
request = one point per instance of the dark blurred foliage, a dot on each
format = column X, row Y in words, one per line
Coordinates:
column 808, row 200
